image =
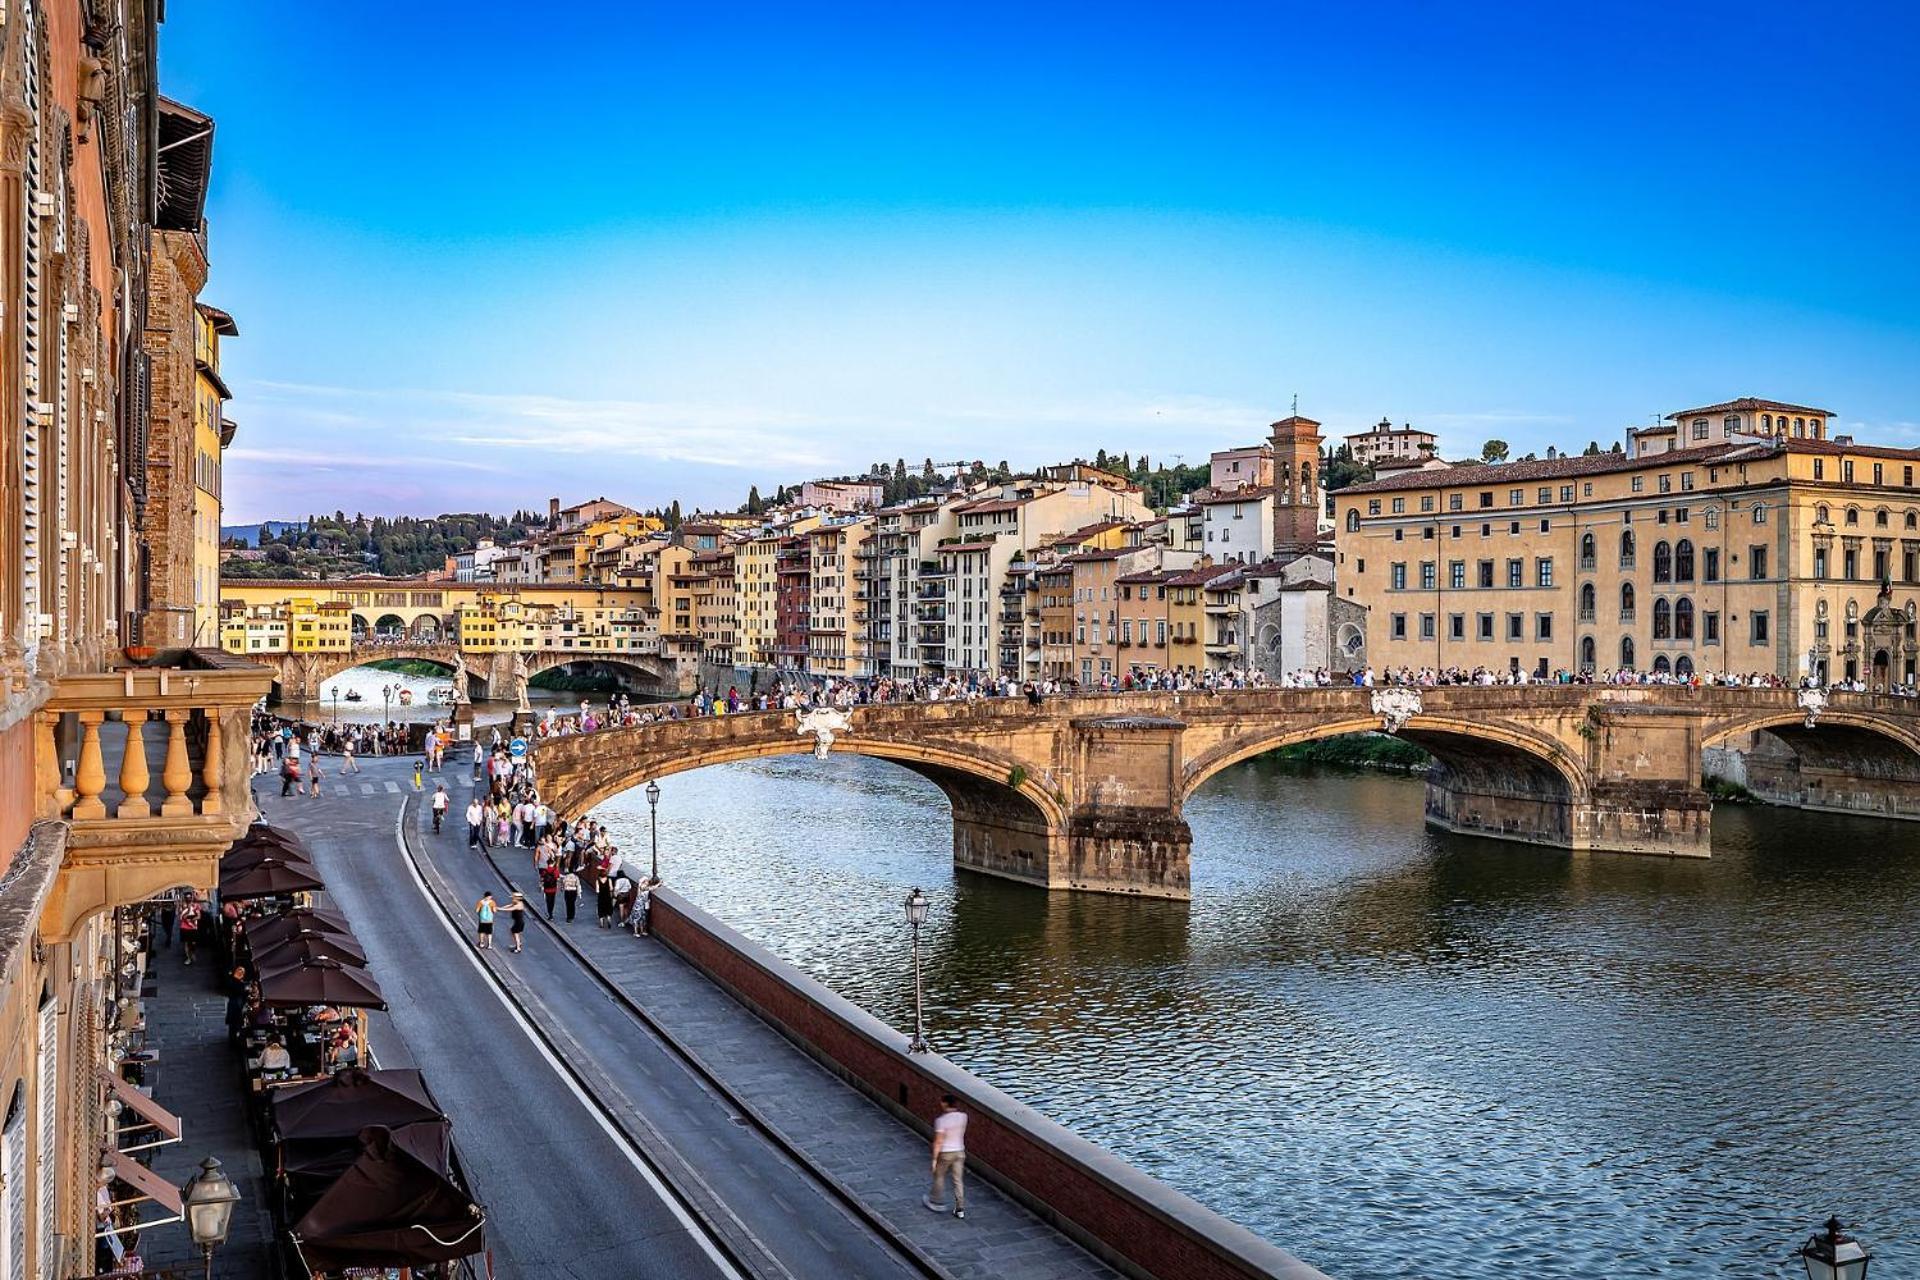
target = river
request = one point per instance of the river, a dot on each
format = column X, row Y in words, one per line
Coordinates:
column 1395, row 1052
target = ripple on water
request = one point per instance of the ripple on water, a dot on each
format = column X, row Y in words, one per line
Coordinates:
column 1394, row 1052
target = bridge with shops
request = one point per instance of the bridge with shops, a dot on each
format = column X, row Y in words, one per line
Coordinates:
column 490, row 674
column 1087, row 792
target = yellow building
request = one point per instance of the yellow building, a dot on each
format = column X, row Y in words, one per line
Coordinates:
column 832, row 648
column 1757, row 556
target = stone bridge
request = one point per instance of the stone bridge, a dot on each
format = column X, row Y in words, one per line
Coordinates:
column 1088, row 792
column 298, row 676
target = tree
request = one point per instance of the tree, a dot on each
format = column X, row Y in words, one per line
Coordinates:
column 1493, row 451
column 1592, row 450
column 280, row 553
column 755, row 503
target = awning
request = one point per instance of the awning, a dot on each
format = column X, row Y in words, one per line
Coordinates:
column 152, row 1114
column 149, row 1185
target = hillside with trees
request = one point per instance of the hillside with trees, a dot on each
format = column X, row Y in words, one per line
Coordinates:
column 395, row 545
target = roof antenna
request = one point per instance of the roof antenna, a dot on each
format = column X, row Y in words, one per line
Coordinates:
column 1296, row 404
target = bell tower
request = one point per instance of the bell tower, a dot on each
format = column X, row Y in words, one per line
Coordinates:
column 1296, row 485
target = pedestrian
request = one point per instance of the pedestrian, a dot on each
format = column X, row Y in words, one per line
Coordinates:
column 549, row 886
column 475, row 816
column 169, row 912
column 347, row 763
column 483, row 911
column 949, row 1158
column 289, row 776
column 517, row 913
column 313, row 773
column 570, row 890
column 190, row 914
column 603, row 901
column 440, row 802
column 642, row 904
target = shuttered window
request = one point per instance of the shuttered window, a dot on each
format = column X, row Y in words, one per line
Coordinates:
column 49, row 1137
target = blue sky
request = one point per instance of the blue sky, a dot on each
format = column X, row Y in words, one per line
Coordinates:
column 484, row 254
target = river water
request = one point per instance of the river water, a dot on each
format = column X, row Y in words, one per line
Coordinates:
column 1395, row 1052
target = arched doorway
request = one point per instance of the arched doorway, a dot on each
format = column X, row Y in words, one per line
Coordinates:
column 389, row 626
column 1684, row 667
column 1661, row 667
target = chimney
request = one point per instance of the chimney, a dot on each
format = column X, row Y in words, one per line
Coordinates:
column 553, row 511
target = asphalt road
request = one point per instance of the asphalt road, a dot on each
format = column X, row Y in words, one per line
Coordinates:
column 567, row 1197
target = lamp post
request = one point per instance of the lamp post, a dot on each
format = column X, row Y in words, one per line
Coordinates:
column 386, row 705
column 336, row 706
column 1834, row 1255
column 208, row 1200
column 916, row 905
column 653, row 824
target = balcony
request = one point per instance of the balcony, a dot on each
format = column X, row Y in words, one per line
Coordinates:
column 1626, row 615
column 1586, row 564
column 1585, row 615
column 132, row 831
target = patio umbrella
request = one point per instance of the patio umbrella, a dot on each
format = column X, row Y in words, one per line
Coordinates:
column 351, row 1099
column 389, row 1209
column 267, row 880
column 261, row 855
column 299, row 948
column 265, row 931
column 320, row 982
column 262, row 836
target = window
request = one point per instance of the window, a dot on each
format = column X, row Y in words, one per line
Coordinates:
column 1513, row 527
column 1626, row 602
column 1880, row 559
column 1373, row 506
column 1586, row 552
column 1399, row 626
column 1626, row 652
column 1712, row 517
column 1353, row 519
column 1546, row 494
column 1853, row 515
column 1427, row 533
column 1587, row 595
column 1566, row 493
column 1699, row 428
column 1710, row 627
column 1626, row 548
column 1427, row 626
column 1907, row 564
column 1486, row 499
column 1586, row 490
column 1880, row 518
column 1757, row 563
column 1543, row 571
column 1456, row 626
column 1586, row 653
column 1483, row 624
column 1639, row 484
column 1686, row 482
column 1486, row 575
column 1543, row 626
column 1454, row 501
column 1397, row 576
column 1819, row 562
column 1546, row 526
column 1666, row 483
column 1457, row 574
column 1683, row 619
column 1846, row 471
column 1662, row 620
column 1757, row 623
column 1426, row 502
column 1429, row 575
column 1516, row 573
column 1683, row 560
column 1819, row 468
column 1516, row 496
column 1399, row 508
column 1662, row 562
column 1516, row 626
column 1877, row 477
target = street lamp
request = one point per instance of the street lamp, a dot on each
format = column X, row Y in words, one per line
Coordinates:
column 208, row 1200
column 1835, row 1255
column 916, row 905
column 653, row 822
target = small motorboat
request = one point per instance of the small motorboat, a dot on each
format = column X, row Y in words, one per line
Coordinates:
column 354, row 695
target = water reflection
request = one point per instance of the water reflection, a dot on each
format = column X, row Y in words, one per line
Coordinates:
column 1382, row 1047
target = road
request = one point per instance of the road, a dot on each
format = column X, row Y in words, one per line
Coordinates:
column 577, row 1188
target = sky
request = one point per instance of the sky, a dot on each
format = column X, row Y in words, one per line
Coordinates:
column 481, row 255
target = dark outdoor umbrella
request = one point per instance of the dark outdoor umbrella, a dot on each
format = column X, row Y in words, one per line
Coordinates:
column 388, row 1210
column 265, row 931
column 318, row 1161
column 261, row 855
column 301, row 947
column 320, row 982
column 349, row 1100
column 267, row 880
column 262, row 836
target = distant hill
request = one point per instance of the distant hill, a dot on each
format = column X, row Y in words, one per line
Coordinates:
column 249, row 534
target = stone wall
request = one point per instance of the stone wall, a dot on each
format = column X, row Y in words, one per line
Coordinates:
column 178, row 271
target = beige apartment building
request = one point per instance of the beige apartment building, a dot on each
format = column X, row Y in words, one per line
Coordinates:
column 1754, row 556
column 833, row 647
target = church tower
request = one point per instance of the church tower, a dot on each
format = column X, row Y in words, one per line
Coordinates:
column 1297, row 500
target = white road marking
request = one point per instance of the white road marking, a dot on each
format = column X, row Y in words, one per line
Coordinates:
column 393, row 788
column 366, row 788
column 694, row 1229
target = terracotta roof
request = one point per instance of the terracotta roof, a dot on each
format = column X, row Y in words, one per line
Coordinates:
column 1748, row 404
column 1201, row 575
column 1215, row 497
column 1087, row 556
column 1496, row 473
column 1827, row 448
column 964, row 546
column 990, row 506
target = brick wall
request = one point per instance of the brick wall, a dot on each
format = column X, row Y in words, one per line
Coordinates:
column 179, row 269
column 1134, row 1222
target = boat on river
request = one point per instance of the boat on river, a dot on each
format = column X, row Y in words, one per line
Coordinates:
column 354, row 695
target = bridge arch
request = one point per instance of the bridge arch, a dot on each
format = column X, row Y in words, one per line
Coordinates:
column 648, row 673
column 1850, row 760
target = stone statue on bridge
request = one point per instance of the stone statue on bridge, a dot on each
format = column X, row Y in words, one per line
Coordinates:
column 823, row 723
column 520, row 703
column 460, row 694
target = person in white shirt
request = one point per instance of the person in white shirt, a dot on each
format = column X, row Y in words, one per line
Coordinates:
column 275, row 1057
column 949, row 1158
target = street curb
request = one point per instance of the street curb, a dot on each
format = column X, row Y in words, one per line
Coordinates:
column 848, row 1198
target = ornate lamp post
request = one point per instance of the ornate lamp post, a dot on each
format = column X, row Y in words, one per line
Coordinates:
column 208, row 1200
column 386, row 705
column 1834, row 1255
column 916, row 905
column 653, row 823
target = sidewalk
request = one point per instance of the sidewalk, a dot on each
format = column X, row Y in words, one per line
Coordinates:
column 198, row 1079
column 878, row 1159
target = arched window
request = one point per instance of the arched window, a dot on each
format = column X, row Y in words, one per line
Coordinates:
column 1626, row 548
column 1683, row 560
column 1913, row 522
column 1766, row 423
column 1821, row 514
column 1662, row 562
column 1353, row 519
column 1626, row 602
column 1661, row 666
column 1880, row 518
column 1626, row 652
column 1682, row 619
column 1586, row 551
column 1853, row 515
column 1586, row 654
column 1684, row 667
column 1662, row 620
column 1799, row 426
column 1586, row 599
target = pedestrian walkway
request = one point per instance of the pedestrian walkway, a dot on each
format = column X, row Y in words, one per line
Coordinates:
column 879, row 1160
column 198, row 1079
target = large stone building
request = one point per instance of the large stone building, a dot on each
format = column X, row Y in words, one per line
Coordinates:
column 1383, row 442
column 123, row 767
column 1744, row 555
column 1745, row 420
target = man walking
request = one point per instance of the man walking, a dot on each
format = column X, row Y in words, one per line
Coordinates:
column 949, row 1158
column 475, row 816
column 483, row 912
